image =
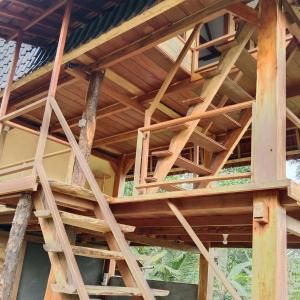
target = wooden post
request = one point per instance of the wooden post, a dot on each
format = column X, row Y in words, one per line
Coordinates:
column 268, row 156
column 12, row 71
column 14, row 246
column 269, row 115
column 88, row 124
column 203, row 278
column 53, row 83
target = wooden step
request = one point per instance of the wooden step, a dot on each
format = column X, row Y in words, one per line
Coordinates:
column 150, row 179
column 205, row 142
column 83, row 221
column 191, row 166
column 87, row 252
column 107, row 291
column 162, row 153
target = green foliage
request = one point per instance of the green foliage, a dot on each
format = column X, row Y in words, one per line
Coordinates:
column 178, row 266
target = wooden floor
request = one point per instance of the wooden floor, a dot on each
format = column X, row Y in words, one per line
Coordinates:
column 212, row 212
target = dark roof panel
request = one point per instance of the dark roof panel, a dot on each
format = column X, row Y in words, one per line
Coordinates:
column 33, row 58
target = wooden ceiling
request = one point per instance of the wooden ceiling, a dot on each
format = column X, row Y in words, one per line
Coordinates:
column 40, row 19
column 132, row 80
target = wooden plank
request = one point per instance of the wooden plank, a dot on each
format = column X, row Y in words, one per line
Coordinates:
column 163, row 184
column 23, row 184
column 191, row 166
column 245, row 12
column 83, row 221
column 105, row 209
column 109, row 291
column 97, row 253
column 293, row 226
column 240, row 188
column 219, row 274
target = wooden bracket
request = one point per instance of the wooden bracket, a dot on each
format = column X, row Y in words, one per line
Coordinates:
column 261, row 212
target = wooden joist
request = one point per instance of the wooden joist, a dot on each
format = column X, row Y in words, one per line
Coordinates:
column 191, row 166
column 80, row 221
column 108, row 291
column 293, row 226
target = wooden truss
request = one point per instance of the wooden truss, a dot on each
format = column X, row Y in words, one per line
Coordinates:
column 270, row 222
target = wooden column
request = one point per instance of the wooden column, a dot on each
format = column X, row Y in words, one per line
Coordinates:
column 88, row 124
column 203, row 278
column 269, row 115
column 10, row 78
column 269, row 275
column 14, row 246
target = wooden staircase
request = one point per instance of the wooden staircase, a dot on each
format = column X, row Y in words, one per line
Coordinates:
column 68, row 280
column 218, row 151
column 62, row 254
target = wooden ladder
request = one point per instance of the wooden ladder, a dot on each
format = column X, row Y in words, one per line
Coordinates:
column 68, row 280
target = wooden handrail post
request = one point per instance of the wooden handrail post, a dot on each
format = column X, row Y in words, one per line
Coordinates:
column 10, row 78
column 53, row 83
column 150, row 111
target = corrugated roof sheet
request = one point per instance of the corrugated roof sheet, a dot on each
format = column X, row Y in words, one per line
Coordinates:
column 34, row 58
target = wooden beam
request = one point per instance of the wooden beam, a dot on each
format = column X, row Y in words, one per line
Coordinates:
column 14, row 245
column 53, row 83
column 244, row 12
column 203, row 15
column 293, row 226
column 293, row 118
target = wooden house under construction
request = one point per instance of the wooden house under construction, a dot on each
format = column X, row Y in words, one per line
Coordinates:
column 94, row 93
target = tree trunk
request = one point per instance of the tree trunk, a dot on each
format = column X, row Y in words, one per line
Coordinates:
column 88, row 124
column 14, row 245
